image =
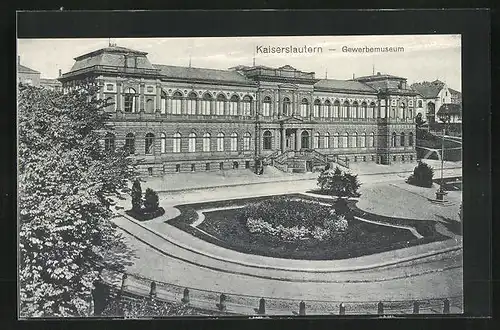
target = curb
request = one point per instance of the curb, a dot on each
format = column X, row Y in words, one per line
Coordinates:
column 304, row 270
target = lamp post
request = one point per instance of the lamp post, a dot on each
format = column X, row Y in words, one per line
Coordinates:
column 441, row 192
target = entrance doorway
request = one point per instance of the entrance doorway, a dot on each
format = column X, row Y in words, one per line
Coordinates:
column 304, row 140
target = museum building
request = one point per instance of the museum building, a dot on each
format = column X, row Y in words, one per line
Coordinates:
column 186, row 119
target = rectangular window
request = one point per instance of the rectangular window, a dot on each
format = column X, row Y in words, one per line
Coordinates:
column 176, row 106
column 221, row 166
column 109, row 87
column 219, row 108
column 177, row 167
column 233, row 108
column 150, row 171
column 266, row 109
column 247, row 164
column 193, row 167
column 128, row 103
column 207, row 167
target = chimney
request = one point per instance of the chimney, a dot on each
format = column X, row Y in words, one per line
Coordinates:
column 378, row 73
column 60, row 72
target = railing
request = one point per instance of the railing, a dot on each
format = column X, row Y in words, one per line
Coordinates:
column 138, row 287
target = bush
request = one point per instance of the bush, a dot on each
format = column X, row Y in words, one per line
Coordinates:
column 151, row 203
column 337, row 183
column 422, row 175
column 136, row 196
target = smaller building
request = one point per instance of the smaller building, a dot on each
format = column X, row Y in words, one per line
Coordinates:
column 434, row 95
column 451, row 111
column 27, row 75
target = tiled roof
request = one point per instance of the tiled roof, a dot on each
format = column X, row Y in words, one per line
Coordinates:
column 181, row 72
column 25, row 69
column 346, row 85
column 454, row 92
column 450, row 109
column 110, row 49
column 428, row 90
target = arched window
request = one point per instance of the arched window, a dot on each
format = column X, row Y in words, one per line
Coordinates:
column 402, row 140
column 335, row 140
column 304, row 140
column 130, row 143
column 410, row 139
column 327, row 109
column 353, row 143
column 371, row 111
column 150, row 106
column 316, row 140
column 220, row 142
column 233, row 105
column 267, row 139
column 163, row 102
column 287, row 110
column 364, row 110
column 219, row 105
column 191, row 103
column 326, row 141
column 206, row 103
column 192, row 142
column 266, row 107
column 246, row 141
column 206, row 142
column 317, row 109
column 163, row 143
column 371, row 140
column 336, row 109
column 402, row 110
column 419, row 103
column 149, row 143
column 109, row 142
column 353, row 111
column 344, row 110
column 234, row 141
column 176, row 143
column 129, row 100
column 362, row 140
column 393, row 140
column 345, row 140
column 176, row 107
column 304, row 108
column 246, row 108
column 410, row 113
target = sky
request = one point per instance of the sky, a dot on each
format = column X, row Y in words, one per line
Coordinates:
column 425, row 57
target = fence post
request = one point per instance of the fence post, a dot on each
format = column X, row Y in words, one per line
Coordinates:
column 185, row 296
column 222, row 302
column 416, row 307
column 341, row 309
column 152, row 291
column 446, row 306
column 302, row 308
column 124, row 284
column 380, row 308
column 262, row 306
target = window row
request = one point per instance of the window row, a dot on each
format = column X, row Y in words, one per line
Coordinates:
column 177, row 142
column 402, row 139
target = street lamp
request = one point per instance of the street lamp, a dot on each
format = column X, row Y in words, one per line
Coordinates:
column 444, row 118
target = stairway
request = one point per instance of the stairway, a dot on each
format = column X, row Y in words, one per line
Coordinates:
column 305, row 160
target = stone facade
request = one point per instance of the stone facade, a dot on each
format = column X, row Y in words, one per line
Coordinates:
column 181, row 119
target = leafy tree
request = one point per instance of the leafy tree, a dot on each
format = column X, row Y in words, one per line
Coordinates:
column 151, row 203
column 136, row 196
column 67, row 186
column 146, row 308
column 422, row 175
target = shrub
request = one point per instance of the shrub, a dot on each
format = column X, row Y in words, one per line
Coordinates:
column 422, row 175
column 136, row 196
column 151, row 200
column 337, row 183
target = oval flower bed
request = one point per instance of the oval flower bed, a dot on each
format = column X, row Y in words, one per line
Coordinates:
column 292, row 219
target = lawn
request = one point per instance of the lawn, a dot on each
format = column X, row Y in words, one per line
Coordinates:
column 361, row 238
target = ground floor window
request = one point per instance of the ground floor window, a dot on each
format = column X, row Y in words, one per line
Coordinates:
column 373, row 158
column 355, row 158
column 221, row 165
column 177, row 167
column 193, row 167
column 247, row 164
column 235, row 165
column 207, row 167
column 394, row 158
column 403, row 158
column 150, row 170
column 364, row 158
